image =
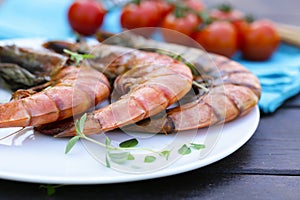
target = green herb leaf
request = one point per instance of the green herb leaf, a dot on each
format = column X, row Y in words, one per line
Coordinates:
column 129, row 143
column 107, row 161
column 71, row 143
column 149, row 159
column 130, row 157
column 87, row 56
column 192, row 67
column 165, row 154
column 107, row 141
column 79, row 125
column 51, row 189
column 178, row 57
column 197, row 146
column 184, row 150
column 82, row 122
column 77, row 57
column 119, row 158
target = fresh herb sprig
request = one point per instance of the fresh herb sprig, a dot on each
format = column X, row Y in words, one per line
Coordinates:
column 124, row 147
column 78, row 57
column 119, row 157
column 185, row 149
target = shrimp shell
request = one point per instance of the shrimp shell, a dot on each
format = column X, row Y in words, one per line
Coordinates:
column 71, row 91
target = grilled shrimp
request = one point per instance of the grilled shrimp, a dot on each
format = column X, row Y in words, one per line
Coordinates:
column 56, row 91
column 72, row 90
column 18, row 77
column 233, row 90
column 26, row 67
column 146, row 84
column 234, row 95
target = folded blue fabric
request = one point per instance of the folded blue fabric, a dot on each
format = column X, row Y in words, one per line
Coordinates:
column 279, row 76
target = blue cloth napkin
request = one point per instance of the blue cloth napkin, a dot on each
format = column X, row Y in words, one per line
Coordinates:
column 279, row 76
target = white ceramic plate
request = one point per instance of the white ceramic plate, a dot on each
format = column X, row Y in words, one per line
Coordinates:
column 32, row 157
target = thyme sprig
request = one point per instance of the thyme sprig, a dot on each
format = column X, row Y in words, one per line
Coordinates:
column 124, row 147
column 77, row 57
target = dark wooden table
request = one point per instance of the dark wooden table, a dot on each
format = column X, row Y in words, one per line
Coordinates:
column 266, row 167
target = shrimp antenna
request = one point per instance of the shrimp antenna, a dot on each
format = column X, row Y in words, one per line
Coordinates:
column 13, row 133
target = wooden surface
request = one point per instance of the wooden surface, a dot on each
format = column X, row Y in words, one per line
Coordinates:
column 266, row 167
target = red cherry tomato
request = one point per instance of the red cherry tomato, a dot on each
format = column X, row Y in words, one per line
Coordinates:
column 240, row 26
column 196, row 5
column 186, row 25
column 259, row 40
column 220, row 37
column 229, row 15
column 143, row 14
column 86, row 16
column 163, row 7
